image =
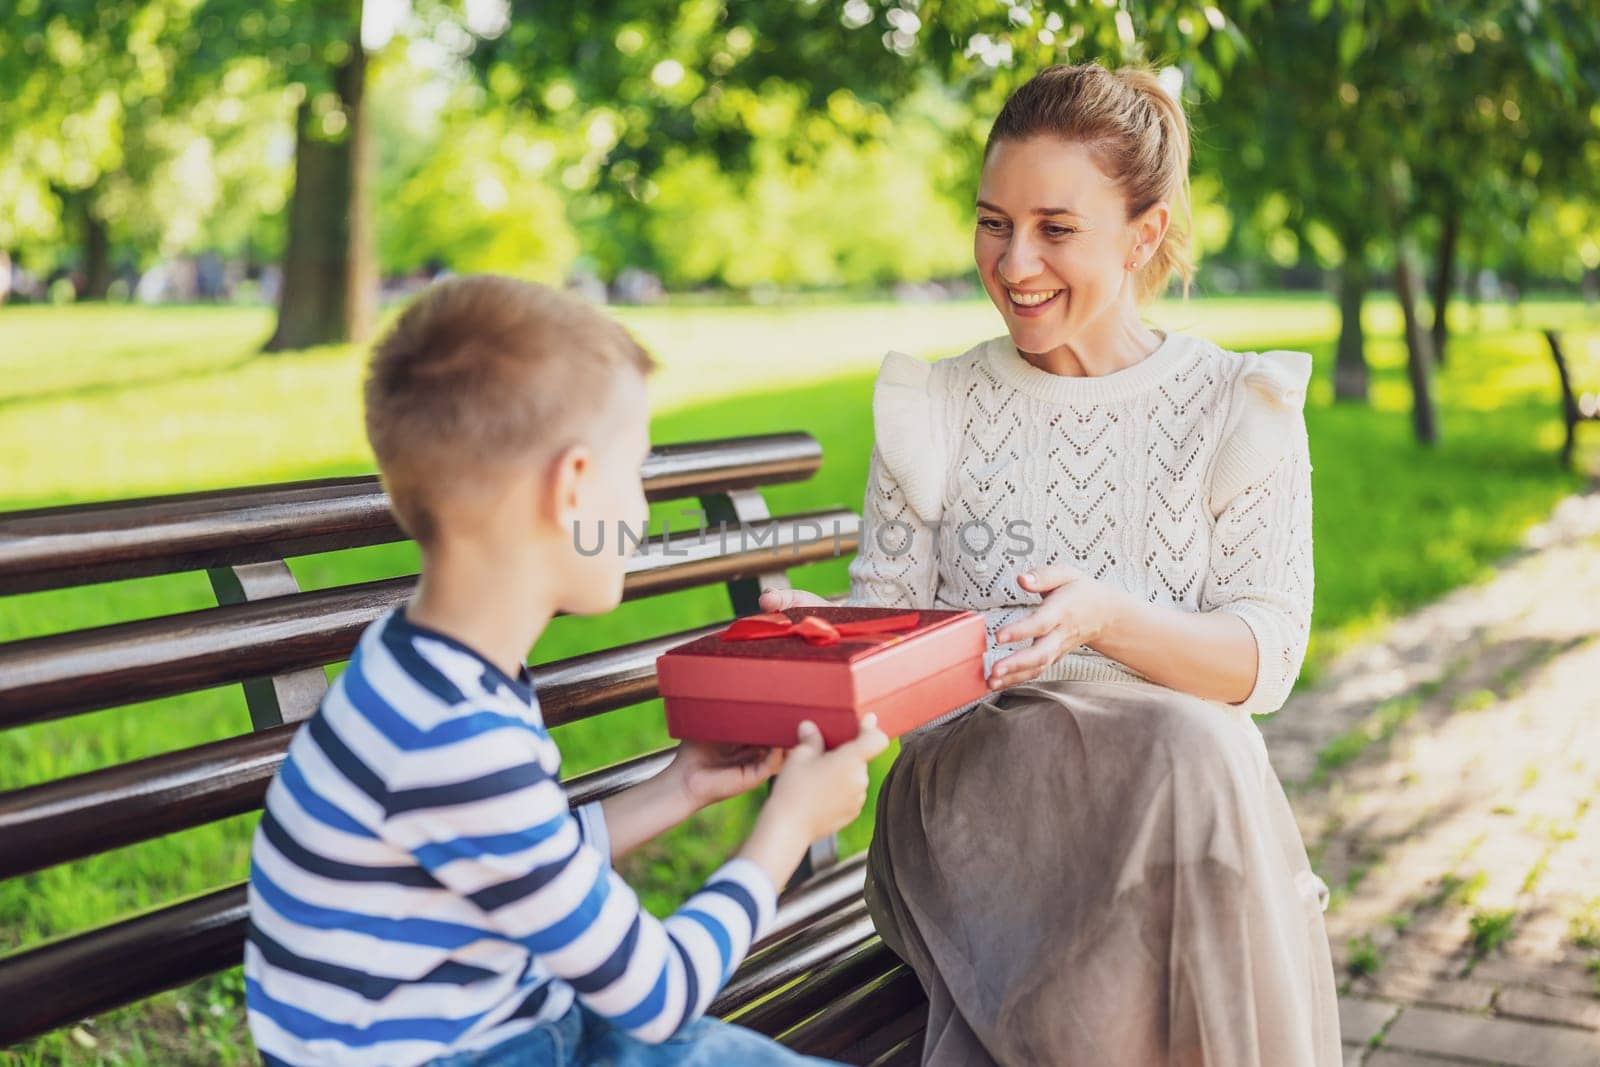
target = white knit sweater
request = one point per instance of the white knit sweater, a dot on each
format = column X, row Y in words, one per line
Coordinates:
column 1184, row 479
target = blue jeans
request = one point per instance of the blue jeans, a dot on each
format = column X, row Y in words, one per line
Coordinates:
column 580, row 1038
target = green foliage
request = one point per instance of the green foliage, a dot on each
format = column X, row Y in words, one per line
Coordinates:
column 462, row 186
column 74, row 78
column 1584, row 928
column 1459, row 891
column 1362, row 956
column 849, row 215
column 1490, row 929
column 799, row 144
column 214, row 176
column 726, row 100
column 110, row 117
column 1421, row 110
column 1381, row 725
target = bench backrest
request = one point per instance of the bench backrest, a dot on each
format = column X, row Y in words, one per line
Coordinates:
column 275, row 640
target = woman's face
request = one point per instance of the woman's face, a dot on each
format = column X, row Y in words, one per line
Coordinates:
column 1053, row 242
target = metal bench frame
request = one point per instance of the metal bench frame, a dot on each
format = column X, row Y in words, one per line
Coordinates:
column 1576, row 406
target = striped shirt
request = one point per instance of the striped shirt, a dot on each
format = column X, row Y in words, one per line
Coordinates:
column 419, row 886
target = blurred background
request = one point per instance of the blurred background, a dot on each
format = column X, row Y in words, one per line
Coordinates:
column 208, row 207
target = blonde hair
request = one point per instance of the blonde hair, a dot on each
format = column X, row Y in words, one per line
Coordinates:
column 1138, row 135
column 481, row 372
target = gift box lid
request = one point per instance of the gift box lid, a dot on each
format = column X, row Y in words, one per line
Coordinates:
column 789, row 670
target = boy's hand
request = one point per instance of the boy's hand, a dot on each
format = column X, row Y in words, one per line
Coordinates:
column 709, row 772
column 816, row 794
column 783, row 599
column 823, row 791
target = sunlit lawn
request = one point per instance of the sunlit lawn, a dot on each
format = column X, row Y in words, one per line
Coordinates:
column 100, row 403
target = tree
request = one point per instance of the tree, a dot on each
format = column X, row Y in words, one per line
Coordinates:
column 651, row 85
column 1291, row 136
column 330, row 282
column 117, row 142
column 1509, row 125
column 330, row 275
column 1368, row 109
column 83, row 84
column 459, row 184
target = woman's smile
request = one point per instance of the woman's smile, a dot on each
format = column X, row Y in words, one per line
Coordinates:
column 1031, row 303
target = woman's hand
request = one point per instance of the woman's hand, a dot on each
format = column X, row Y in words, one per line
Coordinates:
column 782, row 599
column 709, row 772
column 1076, row 611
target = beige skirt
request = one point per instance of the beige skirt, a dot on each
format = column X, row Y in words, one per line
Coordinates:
column 1102, row 874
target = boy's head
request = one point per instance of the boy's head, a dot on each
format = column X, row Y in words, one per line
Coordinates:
column 510, row 420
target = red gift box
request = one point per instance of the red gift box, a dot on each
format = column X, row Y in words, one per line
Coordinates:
column 756, row 681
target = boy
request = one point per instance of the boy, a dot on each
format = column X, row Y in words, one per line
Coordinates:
column 419, row 890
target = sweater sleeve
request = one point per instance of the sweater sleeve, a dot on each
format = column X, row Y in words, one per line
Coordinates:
column 896, row 564
column 1261, row 561
column 507, row 842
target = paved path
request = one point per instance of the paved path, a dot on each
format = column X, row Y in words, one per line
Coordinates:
column 1447, row 780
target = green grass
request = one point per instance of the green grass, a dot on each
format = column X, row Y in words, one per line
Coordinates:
column 1584, row 928
column 1458, row 891
column 101, row 403
column 1375, row 729
column 1363, row 957
column 1490, row 929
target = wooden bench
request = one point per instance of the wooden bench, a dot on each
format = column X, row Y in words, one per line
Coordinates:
column 821, row 981
column 1576, row 406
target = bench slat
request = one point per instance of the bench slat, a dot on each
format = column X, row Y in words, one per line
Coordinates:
column 55, row 676
column 898, row 1044
column 70, row 818
column 889, row 1010
column 53, row 548
column 824, row 985
column 827, row 890
column 840, row 932
column 64, row 981
column 858, row 1011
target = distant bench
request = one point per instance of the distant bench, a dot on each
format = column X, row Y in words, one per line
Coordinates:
column 821, row 981
column 1576, row 405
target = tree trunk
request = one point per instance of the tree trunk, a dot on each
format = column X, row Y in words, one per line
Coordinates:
column 96, row 255
column 1444, row 280
column 1350, row 366
column 329, row 292
column 5, row 275
column 1419, row 358
column 1474, row 279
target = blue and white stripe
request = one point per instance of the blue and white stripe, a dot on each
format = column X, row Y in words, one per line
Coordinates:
column 419, row 886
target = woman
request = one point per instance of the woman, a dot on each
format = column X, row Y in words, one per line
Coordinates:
column 1097, row 865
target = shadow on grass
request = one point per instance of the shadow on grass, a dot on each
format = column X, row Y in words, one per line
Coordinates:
column 122, row 385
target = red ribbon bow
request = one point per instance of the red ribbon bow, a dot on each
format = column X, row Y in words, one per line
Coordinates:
column 814, row 629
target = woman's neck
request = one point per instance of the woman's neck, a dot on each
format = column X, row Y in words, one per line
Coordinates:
column 1122, row 342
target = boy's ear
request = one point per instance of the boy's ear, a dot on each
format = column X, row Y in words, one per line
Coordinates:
column 564, row 478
